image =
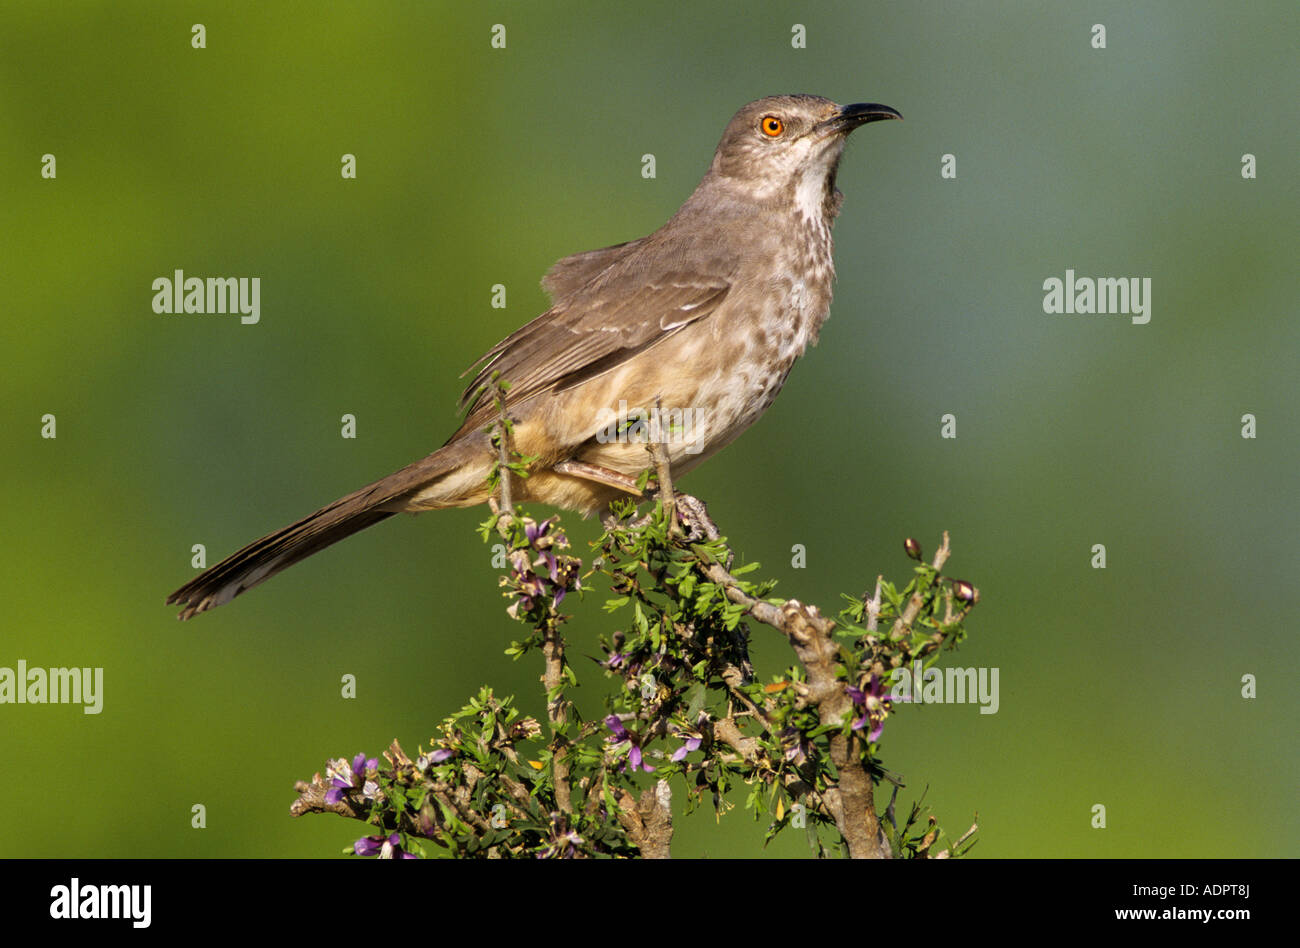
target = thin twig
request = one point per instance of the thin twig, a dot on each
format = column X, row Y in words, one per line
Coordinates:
column 873, row 606
column 503, row 464
column 917, row 602
column 557, row 709
column 663, row 472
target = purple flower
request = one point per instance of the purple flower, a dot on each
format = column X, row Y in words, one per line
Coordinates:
column 529, row 586
column 563, row 842
column 796, row 747
column 691, row 745
column 548, row 558
column 434, row 757
column 874, row 707
column 536, row 531
column 389, row 847
column 530, row 589
column 564, row 846
column 634, row 758
column 344, row 777
column 519, row 563
column 620, row 737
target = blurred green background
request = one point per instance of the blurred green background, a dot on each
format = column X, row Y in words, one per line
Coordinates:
column 478, row 166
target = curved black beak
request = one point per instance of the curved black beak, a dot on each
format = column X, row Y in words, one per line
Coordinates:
column 860, row 113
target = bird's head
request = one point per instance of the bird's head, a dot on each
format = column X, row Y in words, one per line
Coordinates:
column 790, row 145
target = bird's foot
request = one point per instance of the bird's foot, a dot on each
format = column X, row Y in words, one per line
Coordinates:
column 699, row 525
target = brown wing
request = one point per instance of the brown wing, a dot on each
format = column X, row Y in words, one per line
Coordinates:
column 588, row 334
column 570, row 274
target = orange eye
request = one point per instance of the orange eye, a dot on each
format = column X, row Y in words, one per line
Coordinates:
column 772, row 126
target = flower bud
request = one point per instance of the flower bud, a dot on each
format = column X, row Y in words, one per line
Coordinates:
column 965, row 592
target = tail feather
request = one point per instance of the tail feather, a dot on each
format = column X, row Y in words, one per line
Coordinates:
column 263, row 558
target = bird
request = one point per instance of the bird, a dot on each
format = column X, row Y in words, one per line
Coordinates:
column 700, row 320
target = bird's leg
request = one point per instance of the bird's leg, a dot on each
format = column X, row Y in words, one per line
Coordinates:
column 601, row 475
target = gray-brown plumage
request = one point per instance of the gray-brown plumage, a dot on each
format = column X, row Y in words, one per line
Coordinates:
column 706, row 315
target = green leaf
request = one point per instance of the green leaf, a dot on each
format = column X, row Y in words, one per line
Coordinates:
column 695, row 698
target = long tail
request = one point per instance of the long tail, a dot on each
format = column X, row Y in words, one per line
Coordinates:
column 263, row 558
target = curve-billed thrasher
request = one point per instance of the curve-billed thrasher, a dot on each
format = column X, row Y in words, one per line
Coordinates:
column 704, row 317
